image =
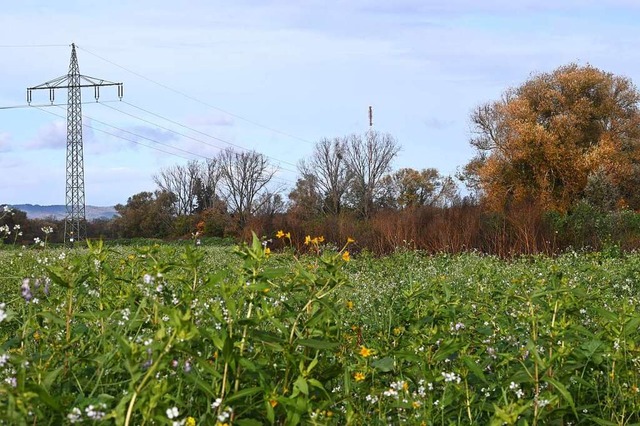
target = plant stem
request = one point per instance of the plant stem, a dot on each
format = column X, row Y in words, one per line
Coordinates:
column 242, row 343
column 146, row 377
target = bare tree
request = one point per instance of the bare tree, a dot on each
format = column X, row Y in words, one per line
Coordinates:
column 327, row 169
column 244, row 176
column 269, row 204
column 180, row 181
column 369, row 159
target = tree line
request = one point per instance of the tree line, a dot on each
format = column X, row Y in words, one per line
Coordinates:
column 345, row 176
column 557, row 164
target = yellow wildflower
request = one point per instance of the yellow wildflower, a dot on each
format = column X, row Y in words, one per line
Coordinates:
column 416, row 404
column 267, row 251
column 273, row 402
column 365, row 352
column 346, row 256
column 358, row 377
column 320, row 239
column 288, row 235
column 349, row 304
column 350, row 240
column 307, row 240
column 280, row 234
column 190, row 421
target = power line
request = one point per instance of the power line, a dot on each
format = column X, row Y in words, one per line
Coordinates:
column 122, row 137
column 198, row 100
column 280, row 162
column 143, row 137
column 156, row 125
column 119, row 136
column 191, row 129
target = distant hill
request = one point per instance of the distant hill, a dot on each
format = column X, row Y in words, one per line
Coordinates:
column 36, row 211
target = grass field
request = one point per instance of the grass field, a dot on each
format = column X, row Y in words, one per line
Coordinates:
column 173, row 335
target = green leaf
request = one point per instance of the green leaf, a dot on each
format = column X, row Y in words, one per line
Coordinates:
column 301, row 384
column 408, row 356
column 589, row 348
column 256, row 245
column 200, row 384
column 602, row 422
column 58, row 279
column 227, row 350
column 52, row 317
column 44, row 396
column 446, row 349
column 244, row 393
column 124, row 345
column 385, row 364
column 312, row 364
column 474, row 368
column 632, row 325
column 271, row 415
column 606, row 314
column 271, row 340
column 272, row 273
column 248, row 364
column 563, row 391
column 51, row 376
column 316, row 384
column 317, row 344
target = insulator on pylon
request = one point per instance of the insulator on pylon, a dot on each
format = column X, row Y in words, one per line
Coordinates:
column 52, row 96
column 120, row 91
column 29, row 96
column 96, row 91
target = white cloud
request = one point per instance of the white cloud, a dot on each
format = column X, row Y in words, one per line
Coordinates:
column 5, row 142
column 52, row 135
column 148, row 134
column 437, row 124
column 211, row 119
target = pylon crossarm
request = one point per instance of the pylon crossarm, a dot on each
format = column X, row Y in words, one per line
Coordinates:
column 63, row 83
column 56, row 83
column 93, row 81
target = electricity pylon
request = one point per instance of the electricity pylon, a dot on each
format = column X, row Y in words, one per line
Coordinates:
column 75, row 225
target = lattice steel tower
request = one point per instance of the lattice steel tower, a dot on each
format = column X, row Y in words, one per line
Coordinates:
column 75, row 226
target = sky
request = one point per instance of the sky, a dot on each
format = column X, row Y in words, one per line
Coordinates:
column 275, row 77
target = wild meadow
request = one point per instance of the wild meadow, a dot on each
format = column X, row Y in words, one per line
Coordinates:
column 268, row 334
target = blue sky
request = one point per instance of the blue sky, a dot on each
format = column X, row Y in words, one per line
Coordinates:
column 303, row 70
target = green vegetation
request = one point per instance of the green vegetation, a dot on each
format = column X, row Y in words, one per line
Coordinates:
column 170, row 334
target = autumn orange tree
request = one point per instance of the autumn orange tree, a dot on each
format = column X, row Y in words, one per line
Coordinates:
column 561, row 137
